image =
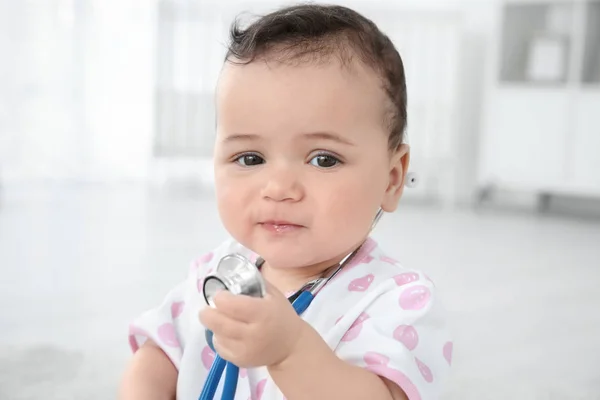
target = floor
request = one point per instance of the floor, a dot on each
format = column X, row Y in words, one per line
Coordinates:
column 77, row 263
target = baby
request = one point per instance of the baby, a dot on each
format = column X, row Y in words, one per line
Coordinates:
column 311, row 114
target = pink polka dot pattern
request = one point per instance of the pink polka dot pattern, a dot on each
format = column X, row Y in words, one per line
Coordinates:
column 206, row 258
column 177, row 309
column 448, row 347
column 363, row 256
column 406, row 278
column 377, row 363
column 135, row 331
column 207, row 356
column 388, row 260
column 200, row 285
column 407, row 335
column 372, row 358
column 355, row 328
column 398, row 378
column 361, row 284
column 167, row 335
column 243, row 373
column 425, row 371
column 260, row 388
column 414, row 298
column 367, row 259
column 200, row 261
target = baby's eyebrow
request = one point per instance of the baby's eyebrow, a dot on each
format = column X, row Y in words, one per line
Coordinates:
column 334, row 137
column 331, row 136
column 241, row 137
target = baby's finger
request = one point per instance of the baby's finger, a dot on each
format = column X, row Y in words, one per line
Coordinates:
column 241, row 308
column 220, row 324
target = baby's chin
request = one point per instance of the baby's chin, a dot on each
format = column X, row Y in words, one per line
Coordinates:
column 284, row 257
column 300, row 252
column 285, row 260
column 289, row 260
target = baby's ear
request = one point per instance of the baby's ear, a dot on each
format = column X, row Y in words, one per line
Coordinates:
column 399, row 162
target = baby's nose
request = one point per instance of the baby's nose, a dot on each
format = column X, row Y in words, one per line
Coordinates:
column 283, row 185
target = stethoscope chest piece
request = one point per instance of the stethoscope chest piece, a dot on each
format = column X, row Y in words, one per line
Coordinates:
column 236, row 274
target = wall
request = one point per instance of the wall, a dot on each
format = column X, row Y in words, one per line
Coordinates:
column 78, row 103
column 76, row 90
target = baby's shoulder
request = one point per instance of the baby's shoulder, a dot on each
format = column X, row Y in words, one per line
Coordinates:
column 375, row 270
column 373, row 283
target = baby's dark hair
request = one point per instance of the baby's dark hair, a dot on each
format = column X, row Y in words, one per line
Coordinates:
column 314, row 33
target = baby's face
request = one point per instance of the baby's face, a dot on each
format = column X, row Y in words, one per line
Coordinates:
column 301, row 160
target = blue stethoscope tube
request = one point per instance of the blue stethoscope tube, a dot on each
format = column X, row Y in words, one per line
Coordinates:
column 232, row 371
column 300, row 304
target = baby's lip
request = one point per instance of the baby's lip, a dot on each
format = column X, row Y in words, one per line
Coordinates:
column 279, row 223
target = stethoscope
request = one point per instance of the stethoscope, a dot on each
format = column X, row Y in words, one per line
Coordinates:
column 239, row 275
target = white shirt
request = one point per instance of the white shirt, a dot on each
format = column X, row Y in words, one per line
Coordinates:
column 375, row 314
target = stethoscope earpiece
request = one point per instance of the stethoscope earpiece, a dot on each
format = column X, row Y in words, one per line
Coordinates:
column 411, row 180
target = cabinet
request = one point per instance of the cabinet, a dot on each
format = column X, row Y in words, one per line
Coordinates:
column 541, row 129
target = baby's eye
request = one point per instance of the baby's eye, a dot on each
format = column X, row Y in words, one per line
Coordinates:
column 249, row 160
column 324, row 161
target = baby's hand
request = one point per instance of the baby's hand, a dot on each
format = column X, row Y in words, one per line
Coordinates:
column 253, row 332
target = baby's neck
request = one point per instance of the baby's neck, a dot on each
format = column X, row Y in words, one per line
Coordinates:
column 288, row 280
column 292, row 279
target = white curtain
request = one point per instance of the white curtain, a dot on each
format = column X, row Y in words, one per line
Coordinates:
column 76, row 98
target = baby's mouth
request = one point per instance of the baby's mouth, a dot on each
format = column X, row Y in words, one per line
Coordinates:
column 280, row 226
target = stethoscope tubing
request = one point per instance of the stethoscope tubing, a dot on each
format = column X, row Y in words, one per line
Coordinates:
column 300, row 305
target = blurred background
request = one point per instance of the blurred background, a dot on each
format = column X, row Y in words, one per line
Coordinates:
column 106, row 133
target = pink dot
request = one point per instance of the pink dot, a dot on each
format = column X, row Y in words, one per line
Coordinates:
column 205, row 258
column 448, row 347
column 167, row 335
column 361, row 284
column 260, row 388
column 415, row 297
column 407, row 335
column 243, row 372
column 177, row 309
column 372, row 358
column 355, row 328
column 200, row 285
column 362, row 257
column 367, row 259
column 207, row 356
column 361, row 318
column 398, row 378
column 135, row 331
column 425, row 371
column 388, row 260
column 352, row 333
column 405, row 278
column 338, row 320
column 202, row 260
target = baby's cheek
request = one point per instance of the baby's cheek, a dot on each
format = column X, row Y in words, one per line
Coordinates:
column 232, row 209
